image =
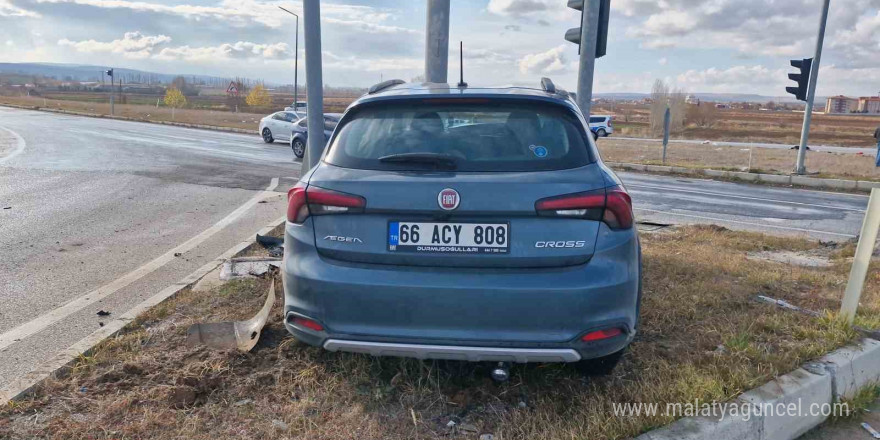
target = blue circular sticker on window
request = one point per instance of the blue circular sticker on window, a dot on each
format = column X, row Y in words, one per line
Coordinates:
column 538, row 150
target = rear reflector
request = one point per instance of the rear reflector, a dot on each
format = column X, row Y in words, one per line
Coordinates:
column 303, row 202
column 601, row 334
column 308, row 323
column 611, row 205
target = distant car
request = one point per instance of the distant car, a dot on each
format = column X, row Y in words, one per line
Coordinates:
column 277, row 126
column 300, row 133
column 299, row 107
column 601, row 125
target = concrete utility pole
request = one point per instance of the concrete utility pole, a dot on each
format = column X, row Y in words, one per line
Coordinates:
column 801, row 168
column 437, row 42
column 589, row 34
column 314, row 84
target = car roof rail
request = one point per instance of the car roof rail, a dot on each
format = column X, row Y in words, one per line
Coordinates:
column 384, row 85
column 548, row 86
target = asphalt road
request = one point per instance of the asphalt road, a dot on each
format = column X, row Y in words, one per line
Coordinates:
column 97, row 208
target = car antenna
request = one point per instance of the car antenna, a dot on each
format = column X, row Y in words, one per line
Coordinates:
column 461, row 83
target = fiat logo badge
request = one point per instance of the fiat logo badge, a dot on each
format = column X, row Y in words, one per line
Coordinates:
column 448, row 199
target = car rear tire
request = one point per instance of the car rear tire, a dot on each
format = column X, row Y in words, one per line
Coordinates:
column 298, row 147
column 601, row 133
column 602, row 366
column 267, row 136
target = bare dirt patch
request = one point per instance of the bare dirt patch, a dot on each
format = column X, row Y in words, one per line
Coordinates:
column 699, row 290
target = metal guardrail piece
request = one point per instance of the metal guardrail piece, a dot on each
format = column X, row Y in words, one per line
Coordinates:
column 240, row 335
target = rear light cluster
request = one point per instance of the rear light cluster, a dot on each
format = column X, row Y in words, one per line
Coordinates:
column 612, row 205
column 304, row 201
column 601, row 334
column 307, row 323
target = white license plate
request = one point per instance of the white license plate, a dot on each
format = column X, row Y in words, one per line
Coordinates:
column 455, row 238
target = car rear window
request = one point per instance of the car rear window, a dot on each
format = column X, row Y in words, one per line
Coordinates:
column 481, row 136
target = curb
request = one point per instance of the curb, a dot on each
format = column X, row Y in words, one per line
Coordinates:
column 778, row 179
column 837, row 375
column 125, row 118
column 62, row 361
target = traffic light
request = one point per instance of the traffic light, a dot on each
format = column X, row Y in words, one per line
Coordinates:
column 574, row 34
column 110, row 73
column 802, row 79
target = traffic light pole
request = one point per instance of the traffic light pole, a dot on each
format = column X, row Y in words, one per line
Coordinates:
column 437, row 42
column 801, row 168
column 589, row 34
column 314, row 84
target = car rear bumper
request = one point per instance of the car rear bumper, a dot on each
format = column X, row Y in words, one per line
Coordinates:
column 520, row 315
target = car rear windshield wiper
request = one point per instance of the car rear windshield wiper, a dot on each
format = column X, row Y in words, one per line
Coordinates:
column 445, row 161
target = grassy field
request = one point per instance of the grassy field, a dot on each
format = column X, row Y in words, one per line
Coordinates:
column 763, row 160
column 702, row 336
column 783, row 127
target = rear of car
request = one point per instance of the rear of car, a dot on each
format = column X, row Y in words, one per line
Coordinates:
column 476, row 226
column 601, row 125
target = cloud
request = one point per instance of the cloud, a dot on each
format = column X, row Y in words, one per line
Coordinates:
column 551, row 61
column 241, row 50
column 516, row 7
column 7, row 9
column 132, row 45
column 733, row 79
column 662, row 61
column 138, row 46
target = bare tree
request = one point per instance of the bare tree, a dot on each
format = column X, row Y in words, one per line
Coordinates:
column 659, row 101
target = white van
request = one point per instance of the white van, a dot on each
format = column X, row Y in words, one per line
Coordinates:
column 601, row 125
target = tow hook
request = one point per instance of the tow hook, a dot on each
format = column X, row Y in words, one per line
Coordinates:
column 501, row 372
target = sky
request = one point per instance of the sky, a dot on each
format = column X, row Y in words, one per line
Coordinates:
column 722, row 46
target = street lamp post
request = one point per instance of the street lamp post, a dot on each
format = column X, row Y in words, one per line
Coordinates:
column 295, row 62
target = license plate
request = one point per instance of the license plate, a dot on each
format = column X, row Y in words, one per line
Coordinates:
column 452, row 238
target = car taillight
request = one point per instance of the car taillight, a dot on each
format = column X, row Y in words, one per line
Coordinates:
column 303, row 201
column 609, row 122
column 611, row 205
column 307, row 323
column 601, row 334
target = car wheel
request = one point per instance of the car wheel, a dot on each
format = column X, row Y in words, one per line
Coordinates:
column 602, row 133
column 299, row 148
column 602, row 366
column 267, row 136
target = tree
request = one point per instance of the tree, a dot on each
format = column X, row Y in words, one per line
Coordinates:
column 174, row 99
column 662, row 96
column 259, row 97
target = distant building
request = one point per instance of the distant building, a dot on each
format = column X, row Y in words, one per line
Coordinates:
column 691, row 99
column 869, row 104
column 841, row 104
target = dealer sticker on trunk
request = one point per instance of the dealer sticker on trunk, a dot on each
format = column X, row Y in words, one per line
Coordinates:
column 457, row 238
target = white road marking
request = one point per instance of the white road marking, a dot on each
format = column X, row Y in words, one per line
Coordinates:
column 760, row 225
column 710, row 193
column 42, row 322
column 19, row 145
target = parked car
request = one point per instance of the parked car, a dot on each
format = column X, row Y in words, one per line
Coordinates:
column 300, row 133
column 506, row 239
column 277, row 126
column 601, row 125
column 300, row 108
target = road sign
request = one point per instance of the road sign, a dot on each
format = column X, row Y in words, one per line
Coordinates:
column 232, row 89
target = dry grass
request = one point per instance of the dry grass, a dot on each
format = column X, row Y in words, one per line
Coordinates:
column 764, row 160
column 699, row 295
column 739, row 125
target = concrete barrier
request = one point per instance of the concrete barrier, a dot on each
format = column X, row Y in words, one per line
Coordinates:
column 854, row 368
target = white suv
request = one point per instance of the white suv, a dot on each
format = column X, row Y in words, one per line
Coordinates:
column 601, row 125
